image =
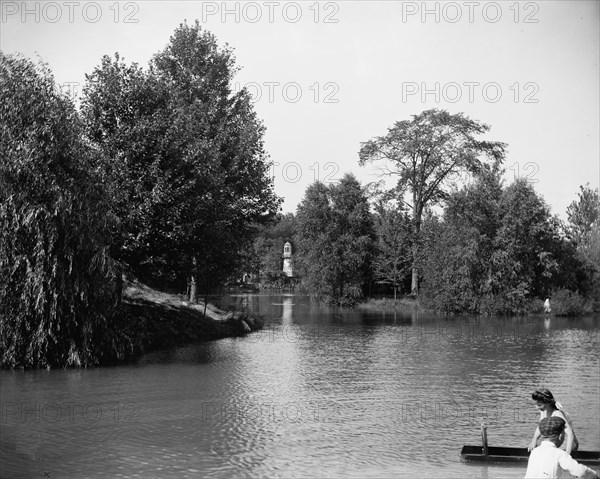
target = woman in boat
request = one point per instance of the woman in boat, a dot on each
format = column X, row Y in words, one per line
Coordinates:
column 548, row 407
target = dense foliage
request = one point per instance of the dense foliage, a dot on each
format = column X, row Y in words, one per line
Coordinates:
column 335, row 241
column 268, row 251
column 163, row 174
column 426, row 154
column 58, row 284
column 185, row 160
column 491, row 249
column 496, row 249
column 584, row 230
column 393, row 253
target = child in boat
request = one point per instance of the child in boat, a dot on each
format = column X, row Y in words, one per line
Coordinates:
column 547, row 460
column 550, row 408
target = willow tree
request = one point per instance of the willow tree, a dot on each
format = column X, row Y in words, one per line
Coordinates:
column 426, row 154
column 58, row 284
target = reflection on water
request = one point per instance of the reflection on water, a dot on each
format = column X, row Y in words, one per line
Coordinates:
column 319, row 392
column 286, row 315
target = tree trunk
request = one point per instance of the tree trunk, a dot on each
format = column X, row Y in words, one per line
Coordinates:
column 417, row 212
column 193, row 286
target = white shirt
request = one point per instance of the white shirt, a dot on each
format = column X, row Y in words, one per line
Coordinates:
column 549, row 462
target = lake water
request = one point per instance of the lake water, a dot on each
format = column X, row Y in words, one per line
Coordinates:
column 320, row 392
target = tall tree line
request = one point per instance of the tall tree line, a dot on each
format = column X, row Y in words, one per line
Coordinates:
column 496, row 248
column 161, row 173
column 185, row 156
column 492, row 249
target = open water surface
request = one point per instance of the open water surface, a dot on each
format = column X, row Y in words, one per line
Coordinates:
column 320, row 392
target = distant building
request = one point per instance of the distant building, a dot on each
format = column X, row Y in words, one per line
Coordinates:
column 288, row 267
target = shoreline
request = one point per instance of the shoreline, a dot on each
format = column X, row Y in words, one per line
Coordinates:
column 410, row 305
column 148, row 320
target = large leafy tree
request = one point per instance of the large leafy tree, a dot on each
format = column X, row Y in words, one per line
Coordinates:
column 58, row 284
column 426, row 154
column 450, row 265
column 584, row 228
column 314, row 251
column 456, row 266
column 495, row 249
column 185, row 157
column 354, row 237
column 524, row 258
column 393, row 250
column 335, row 237
column 584, row 214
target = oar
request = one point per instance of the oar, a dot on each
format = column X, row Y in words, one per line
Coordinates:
column 484, row 438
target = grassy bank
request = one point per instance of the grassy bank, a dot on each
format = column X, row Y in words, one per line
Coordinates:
column 563, row 303
column 407, row 304
column 149, row 320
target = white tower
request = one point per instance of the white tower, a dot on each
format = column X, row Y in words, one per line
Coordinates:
column 288, row 268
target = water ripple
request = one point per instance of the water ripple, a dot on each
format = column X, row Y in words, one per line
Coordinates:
column 321, row 394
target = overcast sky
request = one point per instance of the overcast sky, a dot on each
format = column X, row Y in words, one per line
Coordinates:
column 327, row 76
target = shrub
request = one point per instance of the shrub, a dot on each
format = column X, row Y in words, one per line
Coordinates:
column 568, row 303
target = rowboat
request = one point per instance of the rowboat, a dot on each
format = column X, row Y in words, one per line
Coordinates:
column 500, row 455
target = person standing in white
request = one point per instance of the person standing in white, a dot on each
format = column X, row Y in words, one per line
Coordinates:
column 547, row 461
